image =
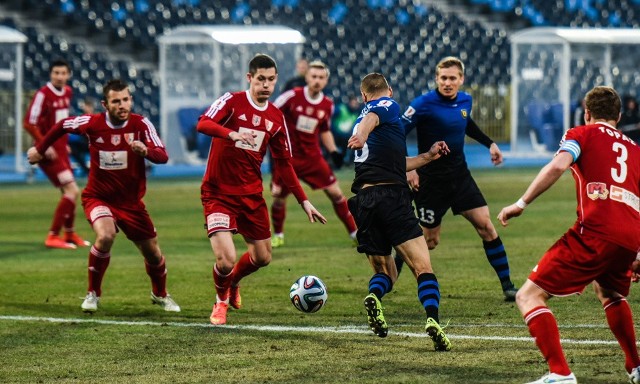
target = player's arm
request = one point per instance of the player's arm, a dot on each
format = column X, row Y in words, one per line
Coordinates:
column 289, row 178
column 152, row 147
column 362, row 130
column 33, row 114
column 37, row 153
column 547, row 176
column 439, row 148
column 329, row 142
column 473, row 131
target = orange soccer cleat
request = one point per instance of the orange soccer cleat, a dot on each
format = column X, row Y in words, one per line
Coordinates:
column 74, row 238
column 54, row 241
column 234, row 297
column 219, row 314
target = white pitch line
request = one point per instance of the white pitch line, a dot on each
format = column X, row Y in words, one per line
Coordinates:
column 280, row 328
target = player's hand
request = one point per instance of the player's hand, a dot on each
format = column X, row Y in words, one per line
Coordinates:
column 50, row 154
column 635, row 269
column 356, row 141
column 413, row 179
column 247, row 138
column 496, row 155
column 139, row 148
column 508, row 212
column 312, row 212
column 439, row 148
column 33, row 156
column 337, row 158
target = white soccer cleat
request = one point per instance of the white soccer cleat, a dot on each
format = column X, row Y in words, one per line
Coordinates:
column 634, row 376
column 167, row 303
column 554, row 378
column 90, row 303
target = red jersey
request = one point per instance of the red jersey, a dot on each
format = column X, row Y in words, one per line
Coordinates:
column 117, row 174
column 606, row 170
column 233, row 168
column 306, row 118
column 48, row 106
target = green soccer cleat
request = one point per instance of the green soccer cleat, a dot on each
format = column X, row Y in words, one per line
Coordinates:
column 375, row 316
column 277, row 241
column 440, row 340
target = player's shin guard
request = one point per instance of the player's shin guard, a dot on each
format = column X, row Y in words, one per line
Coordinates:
column 64, row 211
column 620, row 322
column 497, row 257
column 158, row 275
column 429, row 294
column 278, row 214
column 222, row 283
column 342, row 211
column 380, row 284
column 544, row 330
column 98, row 263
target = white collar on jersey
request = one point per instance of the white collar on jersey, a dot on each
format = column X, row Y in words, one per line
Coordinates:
column 111, row 125
column 58, row 92
column 315, row 101
column 261, row 109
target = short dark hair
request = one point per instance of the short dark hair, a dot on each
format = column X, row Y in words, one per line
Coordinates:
column 116, row 85
column 603, row 103
column 263, row 61
column 374, row 83
column 59, row 63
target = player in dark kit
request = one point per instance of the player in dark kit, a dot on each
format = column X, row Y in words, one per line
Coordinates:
column 382, row 206
column 445, row 114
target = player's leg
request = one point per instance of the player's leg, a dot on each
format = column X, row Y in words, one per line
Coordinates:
column 99, row 255
column 225, row 253
column 341, row 209
column 493, row 248
column 155, row 265
column 60, row 176
column 279, row 192
column 380, row 284
column 70, row 192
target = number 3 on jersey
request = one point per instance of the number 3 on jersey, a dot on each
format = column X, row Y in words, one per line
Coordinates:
column 619, row 176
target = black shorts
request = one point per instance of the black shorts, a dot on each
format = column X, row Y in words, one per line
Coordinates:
column 436, row 195
column 385, row 218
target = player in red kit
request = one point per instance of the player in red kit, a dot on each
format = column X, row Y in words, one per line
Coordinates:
column 48, row 106
column 601, row 247
column 308, row 115
column 242, row 124
column 119, row 143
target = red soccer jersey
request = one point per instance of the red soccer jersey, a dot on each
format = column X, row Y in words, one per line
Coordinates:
column 48, row 106
column 117, row 174
column 234, row 168
column 606, row 170
column 306, row 118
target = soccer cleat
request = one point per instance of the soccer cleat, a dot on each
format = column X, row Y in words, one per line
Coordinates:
column 440, row 340
column 634, row 376
column 90, row 303
column 54, row 241
column 552, row 378
column 167, row 303
column 375, row 316
column 219, row 313
column 74, row 238
column 277, row 241
column 509, row 292
column 234, row 297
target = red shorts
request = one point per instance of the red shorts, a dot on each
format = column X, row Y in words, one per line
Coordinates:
column 59, row 171
column 244, row 214
column 575, row 260
column 132, row 218
column 314, row 172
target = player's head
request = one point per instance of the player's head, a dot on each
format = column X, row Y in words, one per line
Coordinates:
column 262, row 77
column 88, row 105
column 117, row 100
column 449, row 76
column 302, row 65
column 603, row 104
column 59, row 73
column 317, row 76
column 374, row 86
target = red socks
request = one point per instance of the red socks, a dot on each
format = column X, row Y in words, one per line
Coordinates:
column 222, row 283
column 158, row 275
column 544, row 329
column 620, row 322
column 342, row 210
column 243, row 267
column 98, row 263
column 64, row 214
column 278, row 214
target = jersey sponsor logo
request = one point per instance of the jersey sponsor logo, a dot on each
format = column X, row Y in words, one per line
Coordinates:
column 255, row 120
column 115, row 139
column 268, row 124
column 621, row 195
column 242, row 117
column 113, row 160
column 463, row 112
column 384, row 103
column 409, row 112
column 129, row 137
column 258, row 139
column 62, row 114
column 99, row 140
column 100, row 211
column 597, row 191
column 218, row 220
column 306, row 124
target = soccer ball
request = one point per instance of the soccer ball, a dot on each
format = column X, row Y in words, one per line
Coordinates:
column 308, row 294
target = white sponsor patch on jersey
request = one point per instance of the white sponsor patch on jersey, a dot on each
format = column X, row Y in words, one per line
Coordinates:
column 218, row 220
column 384, row 103
column 113, row 160
column 306, row 124
column 258, row 139
column 100, row 211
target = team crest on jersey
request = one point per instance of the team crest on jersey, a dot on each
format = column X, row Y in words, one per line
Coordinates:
column 115, row 139
column 321, row 114
column 597, row 191
column 129, row 137
column 256, row 120
column 268, row 124
column 309, row 111
column 463, row 112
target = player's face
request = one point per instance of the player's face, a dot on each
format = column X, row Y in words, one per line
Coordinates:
column 118, row 105
column 449, row 81
column 59, row 76
column 262, row 83
column 316, row 79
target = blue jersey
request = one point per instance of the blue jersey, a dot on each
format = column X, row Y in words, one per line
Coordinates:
column 383, row 159
column 439, row 118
